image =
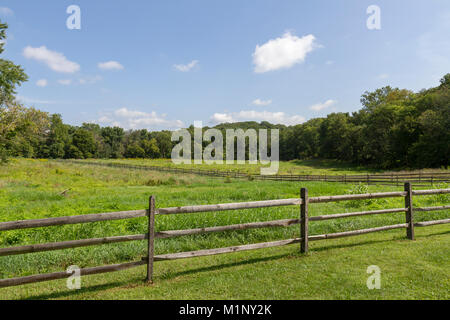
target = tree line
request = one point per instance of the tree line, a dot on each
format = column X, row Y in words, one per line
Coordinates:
column 394, row 128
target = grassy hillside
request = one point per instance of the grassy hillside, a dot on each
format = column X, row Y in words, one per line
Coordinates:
column 32, row 189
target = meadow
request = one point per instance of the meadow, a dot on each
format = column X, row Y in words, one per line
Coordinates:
column 31, row 189
column 297, row 167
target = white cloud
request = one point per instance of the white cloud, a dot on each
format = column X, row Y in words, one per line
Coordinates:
column 4, row 11
column 329, row 62
column 133, row 119
column 251, row 115
column 54, row 60
column 282, row 52
column 65, row 82
column 110, row 65
column 383, row 76
column 23, row 99
column 321, row 106
column 90, row 79
column 105, row 119
column 186, row 67
column 42, row 83
column 259, row 102
column 222, row 117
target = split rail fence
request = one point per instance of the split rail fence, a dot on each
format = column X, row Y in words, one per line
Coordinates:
column 304, row 219
column 397, row 179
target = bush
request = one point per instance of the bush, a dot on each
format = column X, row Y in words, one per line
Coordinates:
column 445, row 197
column 153, row 182
column 359, row 188
column 3, row 156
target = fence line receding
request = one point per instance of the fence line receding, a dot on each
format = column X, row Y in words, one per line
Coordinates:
column 397, row 179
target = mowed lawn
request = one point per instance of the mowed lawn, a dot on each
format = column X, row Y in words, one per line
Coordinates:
column 333, row 269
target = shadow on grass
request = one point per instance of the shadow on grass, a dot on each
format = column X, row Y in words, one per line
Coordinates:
column 367, row 242
column 68, row 293
column 171, row 275
column 432, row 234
column 165, row 276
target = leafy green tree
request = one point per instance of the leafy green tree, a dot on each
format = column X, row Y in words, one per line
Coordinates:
column 335, row 137
column 151, row 148
column 11, row 76
column 84, row 141
column 57, row 139
column 113, row 139
column 164, row 142
column 383, row 96
column 135, row 151
column 72, row 152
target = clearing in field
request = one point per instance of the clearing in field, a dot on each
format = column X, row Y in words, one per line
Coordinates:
column 333, row 269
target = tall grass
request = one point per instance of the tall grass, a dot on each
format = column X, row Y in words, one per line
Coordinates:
column 31, row 189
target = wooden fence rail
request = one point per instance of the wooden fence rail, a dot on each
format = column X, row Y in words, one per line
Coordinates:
column 303, row 201
column 415, row 178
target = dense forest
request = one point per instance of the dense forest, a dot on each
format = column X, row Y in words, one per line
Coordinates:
column 394, row 128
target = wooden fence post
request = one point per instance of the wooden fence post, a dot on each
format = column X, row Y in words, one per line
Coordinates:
column 409, row 212
column 151, row 238
column 304, row 220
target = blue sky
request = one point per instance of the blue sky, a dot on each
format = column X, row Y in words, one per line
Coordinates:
column 166, row 64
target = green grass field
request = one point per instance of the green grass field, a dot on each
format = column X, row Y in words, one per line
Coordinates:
column 300, row 167
column 334, row 269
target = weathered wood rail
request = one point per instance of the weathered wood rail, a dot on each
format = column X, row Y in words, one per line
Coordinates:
column 304, row 237
column 415, row 178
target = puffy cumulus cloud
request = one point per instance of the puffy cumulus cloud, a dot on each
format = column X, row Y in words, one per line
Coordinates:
column 221, row 117
column 42, row 83
column 282, row 53
column 259, row 102
column 252, row 115
column 110, row 65
column 54, row 60
column 321, row 106
column 186, row 67
column 134, row 119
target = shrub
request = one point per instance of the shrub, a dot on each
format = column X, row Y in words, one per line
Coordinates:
column 359, row 188
column 445, row 197
column 153, row 182
column 3, row 156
